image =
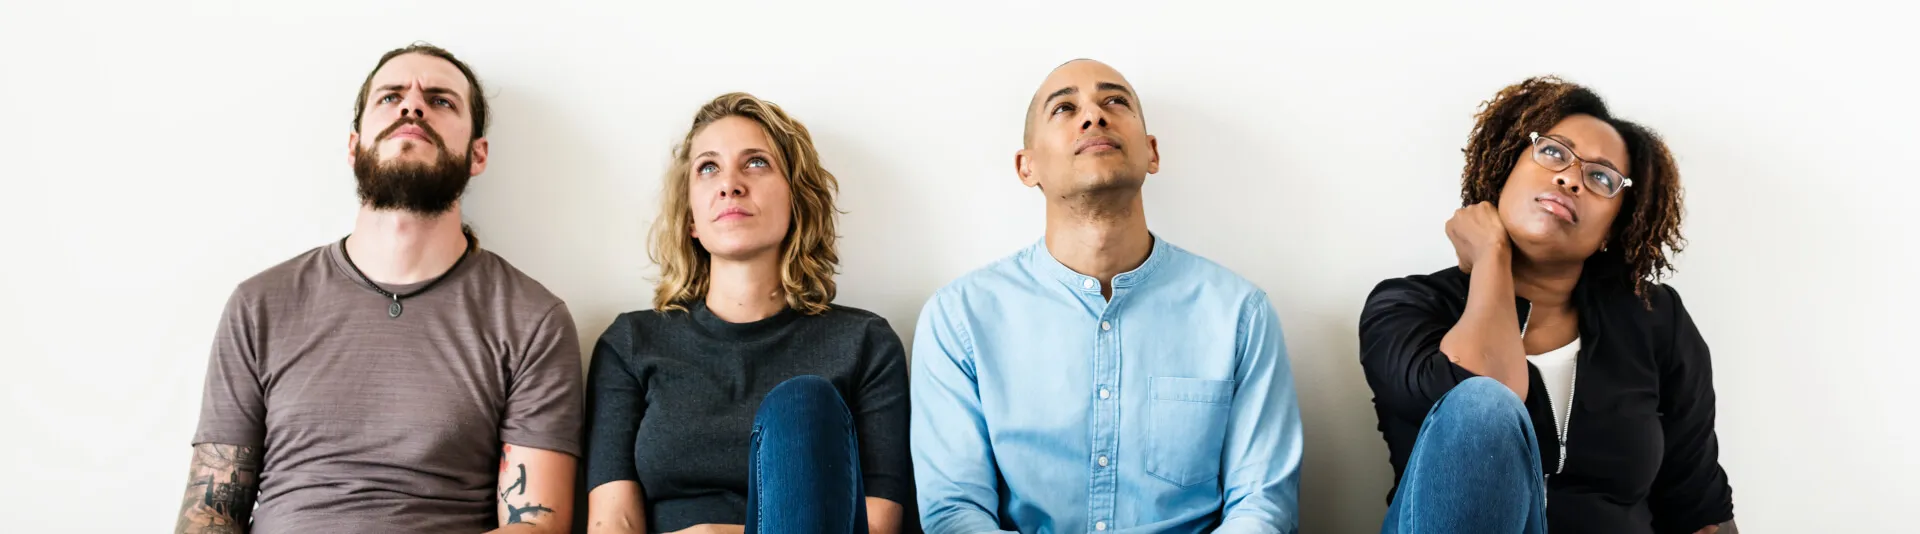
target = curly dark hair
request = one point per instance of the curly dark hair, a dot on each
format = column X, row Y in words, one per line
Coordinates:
column 1646, row 231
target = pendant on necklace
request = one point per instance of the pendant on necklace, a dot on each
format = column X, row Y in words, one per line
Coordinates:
column 393, row 310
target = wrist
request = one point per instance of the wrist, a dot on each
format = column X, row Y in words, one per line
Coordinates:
column 1499, row 256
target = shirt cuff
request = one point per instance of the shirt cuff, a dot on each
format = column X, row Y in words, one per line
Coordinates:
column 556, row 443
column 889, row 488
column 1245, row 525
column 962, row 524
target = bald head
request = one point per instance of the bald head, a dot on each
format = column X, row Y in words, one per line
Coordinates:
column 1071, row 78
column 1085, row 136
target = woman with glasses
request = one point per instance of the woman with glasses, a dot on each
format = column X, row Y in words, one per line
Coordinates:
column 1548, row 380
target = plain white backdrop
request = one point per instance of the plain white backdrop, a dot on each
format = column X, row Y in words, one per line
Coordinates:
column 154, row 154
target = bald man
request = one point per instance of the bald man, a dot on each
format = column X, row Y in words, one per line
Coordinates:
column 1101, row 379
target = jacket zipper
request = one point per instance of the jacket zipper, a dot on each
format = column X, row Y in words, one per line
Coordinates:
column 1567, row 420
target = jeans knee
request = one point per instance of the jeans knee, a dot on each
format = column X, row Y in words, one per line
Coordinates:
column 1481, row 401
column 801, row 395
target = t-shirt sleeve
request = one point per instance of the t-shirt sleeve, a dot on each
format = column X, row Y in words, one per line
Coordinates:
column 615, row 401
column 543, row 395
column 231, row 408
column 881, row 417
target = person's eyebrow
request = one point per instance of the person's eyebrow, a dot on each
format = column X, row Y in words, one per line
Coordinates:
column 755, row 151
column 442, row 91
column 1110, row 86
column 1064, row 91
column 438, row 91
column 1600, row 160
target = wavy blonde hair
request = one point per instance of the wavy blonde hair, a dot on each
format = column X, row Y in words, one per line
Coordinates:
column 808, row 259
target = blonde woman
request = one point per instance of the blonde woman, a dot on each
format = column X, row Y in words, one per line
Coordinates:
column 746, row 400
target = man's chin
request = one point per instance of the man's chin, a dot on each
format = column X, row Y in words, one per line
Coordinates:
column 411, row 168
column 421, row 203
column 1108, row 180
column 419, row 156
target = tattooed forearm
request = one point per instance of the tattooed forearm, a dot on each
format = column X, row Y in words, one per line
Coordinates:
column 520, row 513
column 518, row 484
column 221, row 487
column 514, row 512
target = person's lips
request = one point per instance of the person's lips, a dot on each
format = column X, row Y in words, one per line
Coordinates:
column 1559, row 206
column 411, row 132
column 731, row 213
column 1098, row 143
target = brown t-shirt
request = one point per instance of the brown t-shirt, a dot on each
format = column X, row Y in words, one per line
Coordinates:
column 378, row 424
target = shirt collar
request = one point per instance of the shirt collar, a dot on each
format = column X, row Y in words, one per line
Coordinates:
column 704, row 317
column 1042, row 261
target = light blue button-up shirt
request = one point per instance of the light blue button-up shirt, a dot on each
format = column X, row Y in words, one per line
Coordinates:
column 1041, row 406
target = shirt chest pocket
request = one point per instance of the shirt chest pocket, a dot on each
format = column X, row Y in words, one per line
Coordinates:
column 1187, row 420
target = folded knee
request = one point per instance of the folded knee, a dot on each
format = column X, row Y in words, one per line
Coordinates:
column 804, row 388
column 1481, row 401
column 806, row 395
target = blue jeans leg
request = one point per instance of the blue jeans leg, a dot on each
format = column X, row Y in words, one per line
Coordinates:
column 1475, row 467
column 806, row 463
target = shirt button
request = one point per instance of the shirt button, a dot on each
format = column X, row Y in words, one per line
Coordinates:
column 1103, row 461
column 1088, row 283
column 1105, row 325
column 1101, row 525
column 1103, row 393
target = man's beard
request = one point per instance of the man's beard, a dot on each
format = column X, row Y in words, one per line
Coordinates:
column 1103, row 195
column 425, row 189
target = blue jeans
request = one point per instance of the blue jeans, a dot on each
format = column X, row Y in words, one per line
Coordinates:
column 806, row 462
column 1475, row 467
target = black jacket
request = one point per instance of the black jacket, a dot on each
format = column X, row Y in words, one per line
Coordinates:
column 1641, row 451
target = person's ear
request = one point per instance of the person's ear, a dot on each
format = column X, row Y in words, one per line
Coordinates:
column 353, row 149
column 1023, row 166
column 1153, row 148
column 477, row 153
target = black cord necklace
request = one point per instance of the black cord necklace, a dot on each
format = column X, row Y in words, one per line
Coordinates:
column 394, row 309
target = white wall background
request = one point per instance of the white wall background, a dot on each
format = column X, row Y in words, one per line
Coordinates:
column 155, row 154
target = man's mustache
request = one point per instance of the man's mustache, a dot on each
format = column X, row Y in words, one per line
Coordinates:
column 431, row 135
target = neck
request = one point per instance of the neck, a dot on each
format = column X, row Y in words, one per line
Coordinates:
column 1546, row 285
column 399, row 247
column 745, row 291
column 1099, row 237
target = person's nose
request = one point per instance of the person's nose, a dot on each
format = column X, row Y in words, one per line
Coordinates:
column 731, row 187
column 413, row 102
column 1568, row 179
column 1094, row 115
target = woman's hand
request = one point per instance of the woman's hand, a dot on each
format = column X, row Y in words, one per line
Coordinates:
column 1478, row 235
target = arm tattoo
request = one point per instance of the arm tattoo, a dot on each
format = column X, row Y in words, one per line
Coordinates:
column 221, row 488
column 514, row 512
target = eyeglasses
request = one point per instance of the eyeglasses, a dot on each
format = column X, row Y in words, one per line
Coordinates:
column 1555, row 156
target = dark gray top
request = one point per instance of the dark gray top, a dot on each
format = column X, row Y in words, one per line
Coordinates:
column 671, row 399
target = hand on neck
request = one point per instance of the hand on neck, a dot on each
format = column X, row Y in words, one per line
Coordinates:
column 1099, row 237
column 744, row 291
column 399, row 247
